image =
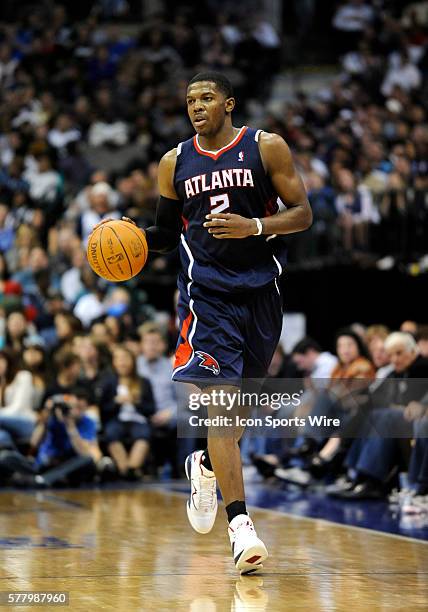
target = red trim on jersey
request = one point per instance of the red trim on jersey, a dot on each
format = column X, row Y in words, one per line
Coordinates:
column 185, row 222
column 215, row 155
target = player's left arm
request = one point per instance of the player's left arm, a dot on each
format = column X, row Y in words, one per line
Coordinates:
column 278, row 163
column 288, row 185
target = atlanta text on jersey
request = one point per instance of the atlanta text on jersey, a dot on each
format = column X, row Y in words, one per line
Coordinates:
column 219, row 179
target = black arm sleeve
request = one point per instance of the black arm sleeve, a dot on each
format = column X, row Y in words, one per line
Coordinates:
column 165, row 235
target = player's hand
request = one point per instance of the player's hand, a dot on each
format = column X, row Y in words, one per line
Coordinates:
column 129, row 220
column 229, row 225
column 110, row 219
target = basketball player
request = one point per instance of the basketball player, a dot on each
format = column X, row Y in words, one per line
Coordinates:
column 219, row 200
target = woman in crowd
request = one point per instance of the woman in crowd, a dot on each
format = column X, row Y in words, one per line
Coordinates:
column 35, row 361
column 17, row 416
column 17, row 329
column 126, row 405
column 67, row 326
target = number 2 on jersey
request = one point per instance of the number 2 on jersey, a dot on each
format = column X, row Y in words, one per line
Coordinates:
column 219, row 203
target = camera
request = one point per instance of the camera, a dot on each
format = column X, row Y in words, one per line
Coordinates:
column 59, row 402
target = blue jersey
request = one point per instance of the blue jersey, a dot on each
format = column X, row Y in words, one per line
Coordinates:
column 230, row 180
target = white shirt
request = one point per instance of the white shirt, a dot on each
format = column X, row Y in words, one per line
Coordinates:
column 323, row 368
column 349, row 18
column 88, row 308
column 43, row 185
column 90, row 218
column 159, row 373
column 18, row 397
column 59, row 139
column 71, row 285
column 407, row 77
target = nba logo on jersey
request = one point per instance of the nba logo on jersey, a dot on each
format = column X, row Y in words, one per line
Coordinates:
column 241, row 156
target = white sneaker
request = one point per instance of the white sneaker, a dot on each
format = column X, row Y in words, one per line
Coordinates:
column 202, row 505
column 248, row 550
column 294, row 475
column 415, row 504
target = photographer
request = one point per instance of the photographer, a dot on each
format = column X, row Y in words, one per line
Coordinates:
column 64, row 442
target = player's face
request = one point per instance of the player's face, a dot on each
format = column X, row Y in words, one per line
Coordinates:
column 207, row 107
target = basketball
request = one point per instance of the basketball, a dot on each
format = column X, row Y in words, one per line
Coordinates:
column 117, row 250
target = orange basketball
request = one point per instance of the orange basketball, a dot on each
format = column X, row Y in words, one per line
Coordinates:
column 117, row 250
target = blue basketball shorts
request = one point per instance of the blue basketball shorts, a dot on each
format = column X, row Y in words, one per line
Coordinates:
column 225, row 337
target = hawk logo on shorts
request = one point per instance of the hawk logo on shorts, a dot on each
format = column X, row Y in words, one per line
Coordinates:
column 208, row 362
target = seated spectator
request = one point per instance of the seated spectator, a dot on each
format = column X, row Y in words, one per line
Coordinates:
column 322, row 200
column 350, row 377
column 17, row 329
column 31, row 268
column 409, row 327
column 71, row 283
column 82, row 201
column 402, row 73
column 67, row 368
column 126, row 405
column 63, row 133
column 354, row 205
column 45, row 182
column 90, row 305
column 374, row 458
column 375, row 338
column 153, row 364
column 35, row 361
column 66, row 326
column 65, row 445
column 350, row 21
column 93, row 371
column 101, row 335
column 17, row 416
column 317, row 364
column 100, row 208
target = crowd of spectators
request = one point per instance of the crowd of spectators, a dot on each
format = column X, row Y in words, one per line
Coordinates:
column 375, row 391
column 361, row 143
column 99, row 404
column 88, row 108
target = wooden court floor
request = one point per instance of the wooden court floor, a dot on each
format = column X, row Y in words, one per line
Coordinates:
column 131, row 550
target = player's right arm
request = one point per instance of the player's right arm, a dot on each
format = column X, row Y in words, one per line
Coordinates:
column 164, row 236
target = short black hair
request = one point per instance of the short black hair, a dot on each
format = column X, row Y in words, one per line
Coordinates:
column 222, row 82
column 362, row 348
column 305, row 345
